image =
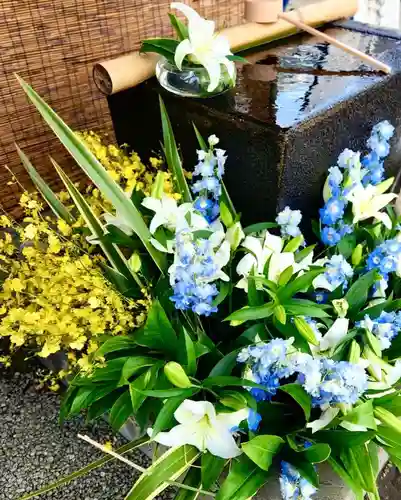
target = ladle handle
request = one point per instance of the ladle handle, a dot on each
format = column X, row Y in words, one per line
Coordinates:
column 327, row 38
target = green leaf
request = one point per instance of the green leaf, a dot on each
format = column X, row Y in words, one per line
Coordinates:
column 158, row 332
column 243, row 481
column 302, row 254
column 180, row 28
column 262, row 449
column 226, row 365
column 172, row 157
column 304, row 467
column 192, row 479
column 285, row 276
column 135, row 364
column 144, row 381
column 224, row 289
column 115, row 344
column 299, row 284
column 88, row 468
column 50, row 197
column 346, row 245
column 357, row 462
column 374, row 311
column 95, row 171
column 168, row 467
column 121, row 411
column 260, row 226
column 169, row 393
column 391, row 402
column 362, row 415
column 301, row 307
column 112, row 252
column 236, row 58
column 317, row 453
column 66, row 403
column 339, row 440
column 305, row 330
column 298, row 393
column 167, row 44
column 189, row 354
column 112, row 371
column 102, row 406
column 201, row 140
column 252, row 313
column 165, row 417
column 249, row 335
column 87, row 395
column 116, row 235
column 358, row 292
column 212, row 467
column 339, row 469
column 223, row 381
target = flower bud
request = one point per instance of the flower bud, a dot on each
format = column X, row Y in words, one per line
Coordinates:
column 176, row 375
column 280, row 315
column 388, row 419
column 354, row 352
column 341, row 307
column 373, row 343
column 135, row 262
column 357, row 255
column 235, row 235
column 305, row 330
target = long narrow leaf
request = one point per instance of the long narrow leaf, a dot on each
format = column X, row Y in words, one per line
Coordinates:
column 172, row 156
column 88, row 468
column 95, row 171
column 50, row 197
column 111, row 251
column 168, row 467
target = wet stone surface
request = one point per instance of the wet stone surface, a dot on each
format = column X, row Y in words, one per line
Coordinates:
column 295, row 108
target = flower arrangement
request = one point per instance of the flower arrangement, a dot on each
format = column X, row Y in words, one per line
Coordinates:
column 42, row 260
column 261, row 356
column 198, row 64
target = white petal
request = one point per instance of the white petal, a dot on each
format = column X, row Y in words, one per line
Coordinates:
column 273, row 243
column 201, row 35
column 233, row 419
column 158, row 246
column 192, row 411
column 152, row 203
column 188, row 11
column 183, row 49
column 223, row 254
column 221, row 46
column 243, row 284
column 180, row 435
column 326, row 417
column 321, row 282
column 253, row 245
column 384, row 218
column 246, row 264
column 220, row 442
column 335, row 334
column 278, row 262
column 230, row 65
column 213, row 69
column 157, row 221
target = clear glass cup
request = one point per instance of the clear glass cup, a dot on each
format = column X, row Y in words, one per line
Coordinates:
column 191, row 81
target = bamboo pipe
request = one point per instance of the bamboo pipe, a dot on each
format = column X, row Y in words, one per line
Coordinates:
column 114, row 75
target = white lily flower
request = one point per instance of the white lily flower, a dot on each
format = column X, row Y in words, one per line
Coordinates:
column 367, row 201
column 326, row 417
column 335, row 334
column 204, row 46
column 172, row 216
column 200, row 426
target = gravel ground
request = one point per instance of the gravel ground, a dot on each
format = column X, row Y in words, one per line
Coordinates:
column 35, row 450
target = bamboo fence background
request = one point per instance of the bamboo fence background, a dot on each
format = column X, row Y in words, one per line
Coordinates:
column 53, row 45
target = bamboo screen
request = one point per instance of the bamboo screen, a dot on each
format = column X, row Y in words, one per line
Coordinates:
column 53, row 45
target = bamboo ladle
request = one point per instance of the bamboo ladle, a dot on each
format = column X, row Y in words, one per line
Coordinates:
column 269, row 11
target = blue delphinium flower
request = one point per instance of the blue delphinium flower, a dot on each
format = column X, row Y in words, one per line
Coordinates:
column 194, row 264
column 333, row 211
column 385, row 327
column 385, row 258
column 211, row 169
column 293, row 486
column 330, row 236
column 289, row 220
column 254, row 420
column 338, row 272
column 380, row 148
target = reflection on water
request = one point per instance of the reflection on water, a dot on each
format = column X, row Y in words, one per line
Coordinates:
column 288, row 83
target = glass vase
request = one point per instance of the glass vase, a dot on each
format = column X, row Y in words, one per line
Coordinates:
column 191, row 81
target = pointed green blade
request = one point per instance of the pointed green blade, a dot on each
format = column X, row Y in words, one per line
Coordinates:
column 95, row 171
